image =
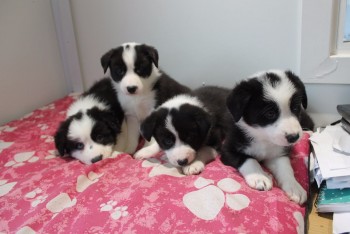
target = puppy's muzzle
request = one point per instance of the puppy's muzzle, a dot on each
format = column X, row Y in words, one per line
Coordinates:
column 96, row 159
column 131, row 89
column 182, row 162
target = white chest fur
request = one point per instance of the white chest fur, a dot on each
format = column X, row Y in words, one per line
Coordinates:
column 139, row 106
column 264, row 150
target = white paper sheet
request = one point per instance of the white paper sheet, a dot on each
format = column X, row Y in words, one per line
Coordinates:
column 341, row 223
column 331, row 163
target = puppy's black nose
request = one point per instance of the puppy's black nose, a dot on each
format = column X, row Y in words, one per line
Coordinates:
column 96, row 159
column 131, row 89
column 182, row 162
column 292, row 138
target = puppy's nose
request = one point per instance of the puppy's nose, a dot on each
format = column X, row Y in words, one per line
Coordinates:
column 131, row 89
column 292, row 138
column 96, row 159
column 182, row 162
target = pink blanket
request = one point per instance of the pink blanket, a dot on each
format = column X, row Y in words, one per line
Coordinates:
column 42, row 193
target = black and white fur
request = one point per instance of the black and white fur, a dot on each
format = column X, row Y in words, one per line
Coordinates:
column 140, row 85
column 269, row 117
column 188, row 128
column 92, row 125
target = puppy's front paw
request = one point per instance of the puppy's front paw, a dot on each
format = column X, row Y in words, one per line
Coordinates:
column 143, row 154
column 295, row 192
column 194, row 168
column 262, row 182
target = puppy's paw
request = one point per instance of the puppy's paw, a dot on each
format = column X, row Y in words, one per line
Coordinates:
column 194, row 168
column 295, row 192
column 262, row 182
column 143, row 154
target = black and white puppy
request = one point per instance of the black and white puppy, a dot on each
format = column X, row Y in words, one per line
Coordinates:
column 269, row 117
column 140, row 85
column 92, row 125
column 189, row 128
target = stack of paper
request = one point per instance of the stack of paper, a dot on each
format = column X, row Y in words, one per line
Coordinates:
column 332, row 162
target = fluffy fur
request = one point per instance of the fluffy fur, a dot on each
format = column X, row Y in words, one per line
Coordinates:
column 140, row 85
column 92, row 125
column 188, row 128
column 268, row 112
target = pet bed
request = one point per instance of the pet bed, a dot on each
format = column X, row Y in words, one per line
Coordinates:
column 43, row 193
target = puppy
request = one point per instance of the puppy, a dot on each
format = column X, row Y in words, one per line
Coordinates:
column 188, row 128
column 269, row 116
column 140, row 85
column 92, row 125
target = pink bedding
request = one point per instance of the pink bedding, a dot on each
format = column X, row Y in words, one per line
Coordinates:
column 42, row 193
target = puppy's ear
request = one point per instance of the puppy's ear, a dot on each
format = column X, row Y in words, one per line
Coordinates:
column 152, row 53
column 106, row 60
column 107, row 117
column 299, row 85
column 238, row 99
column 112, row 121
column 204, row 122
column 149, row 124
column 61, row 137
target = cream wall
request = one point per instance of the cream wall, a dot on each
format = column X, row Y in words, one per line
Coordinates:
column 203, row 41
column 31, row 73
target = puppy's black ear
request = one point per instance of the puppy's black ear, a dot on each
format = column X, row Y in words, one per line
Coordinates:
column 204, row 122
column 299, row 85
column 107, row 117
column 112, row 121
column 238, row 99
column 149, row 124
column 152, row 53
column 106, row 60
column 61, row 137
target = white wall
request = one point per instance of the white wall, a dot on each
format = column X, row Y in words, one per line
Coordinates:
column 216, row 42
column 31, row 73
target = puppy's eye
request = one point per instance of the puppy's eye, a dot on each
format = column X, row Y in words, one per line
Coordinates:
column 119, row 71
column 99, row 138
column 79, row 146
column 270, row 114
column 139, row 70
column 168, row 142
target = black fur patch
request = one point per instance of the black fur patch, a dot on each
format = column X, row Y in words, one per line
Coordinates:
column 247, row 101
column 113, row 60
column 107, row 122
column 106, row 127
column 194, row 125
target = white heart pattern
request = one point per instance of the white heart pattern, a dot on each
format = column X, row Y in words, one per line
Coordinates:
column 208, row 200
column 60, row 202
column 6, row 188
column 83, row 181
column 22, row 157
column 205, row 203
column 237, row 201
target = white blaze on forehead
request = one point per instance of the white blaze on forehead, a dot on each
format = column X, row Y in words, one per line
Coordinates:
column 179, row 100
column 130, row 44
column 169, row 125
column 263, row 73
column 281, row 93
column 85, row 103
column 129, row 55
column 80, row 129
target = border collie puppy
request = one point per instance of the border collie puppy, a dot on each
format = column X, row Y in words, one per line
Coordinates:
column 140, row 85
column 92, row 125
column 269, row 117
column 188, row 128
